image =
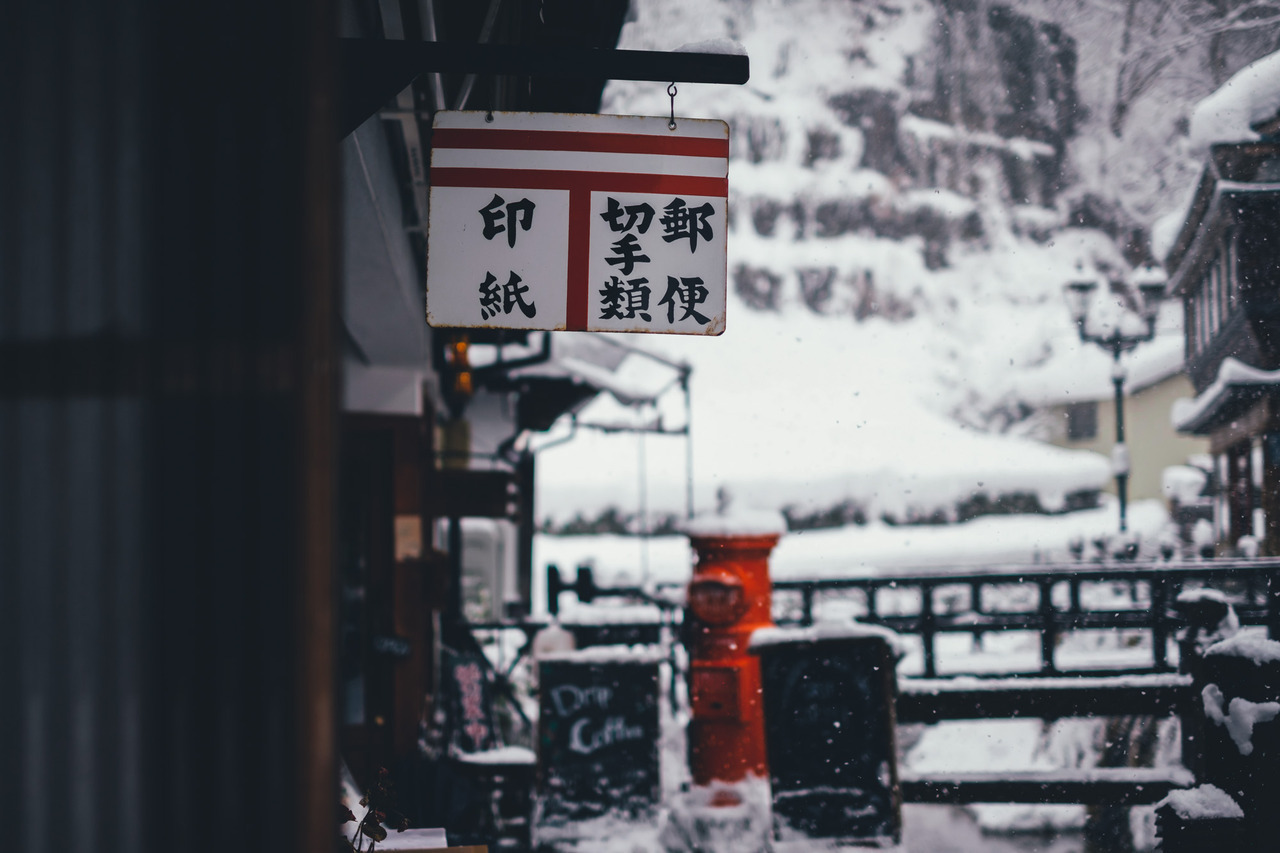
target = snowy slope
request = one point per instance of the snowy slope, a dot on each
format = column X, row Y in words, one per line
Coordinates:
column 896, row 261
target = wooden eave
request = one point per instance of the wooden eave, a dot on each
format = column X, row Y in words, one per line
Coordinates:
column 1230, row 171
column 1200, row 205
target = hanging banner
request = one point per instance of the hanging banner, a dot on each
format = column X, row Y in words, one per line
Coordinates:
column 578, row 222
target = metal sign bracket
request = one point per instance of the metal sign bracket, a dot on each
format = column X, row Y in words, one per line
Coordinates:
column 374, row 70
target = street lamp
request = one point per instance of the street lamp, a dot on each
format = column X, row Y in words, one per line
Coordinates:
column 1149, row 282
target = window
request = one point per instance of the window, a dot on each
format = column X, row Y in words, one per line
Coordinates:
column 1229, row 270
column 1202, row 318
column 1082, row 421
column 1214, row 296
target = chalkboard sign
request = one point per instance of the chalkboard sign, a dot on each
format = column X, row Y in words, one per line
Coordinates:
column 468, row 700
column 597, row 736
column 828, row 707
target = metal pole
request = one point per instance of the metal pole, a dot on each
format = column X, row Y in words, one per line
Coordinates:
column 1122, row 474
column 454, row 599
column 525, row 480
column 688, row 441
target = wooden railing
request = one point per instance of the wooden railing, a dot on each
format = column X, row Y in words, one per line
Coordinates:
column 1255, row 586
column 954, row 601
column 1057, row 599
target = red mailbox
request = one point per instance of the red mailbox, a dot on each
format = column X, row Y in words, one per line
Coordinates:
column 729, row 597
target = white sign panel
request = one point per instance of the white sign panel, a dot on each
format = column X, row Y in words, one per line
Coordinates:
column 578, row 222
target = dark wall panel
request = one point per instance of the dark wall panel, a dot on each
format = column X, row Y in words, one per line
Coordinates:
column 167, row 421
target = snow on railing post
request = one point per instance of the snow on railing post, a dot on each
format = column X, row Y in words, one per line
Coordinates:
column 1207, row 617
column 1199, row 819
column 830, row 698
column 1238, row 692
column 1048, row 628
column 928, row 630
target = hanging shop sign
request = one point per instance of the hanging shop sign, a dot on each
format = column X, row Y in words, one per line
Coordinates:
column 578, row 222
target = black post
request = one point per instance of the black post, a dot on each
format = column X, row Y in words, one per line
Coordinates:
column 1048, row 628
column 1273, row 606
column 1122, row 477
column 554, row 586
column 1159, row 623
column 928, row 629
column 525, row 530
column 455, row 568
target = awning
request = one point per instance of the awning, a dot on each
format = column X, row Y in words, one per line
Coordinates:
column 571, row 370
column 1237, row 387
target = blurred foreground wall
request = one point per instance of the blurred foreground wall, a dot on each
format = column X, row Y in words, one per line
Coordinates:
column 166, row 419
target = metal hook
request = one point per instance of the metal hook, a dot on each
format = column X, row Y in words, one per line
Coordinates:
column 671, row 91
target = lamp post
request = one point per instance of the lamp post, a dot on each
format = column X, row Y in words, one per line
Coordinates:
column 1149, row 282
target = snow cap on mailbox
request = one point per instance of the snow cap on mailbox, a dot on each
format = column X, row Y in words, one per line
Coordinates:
column 735, row 522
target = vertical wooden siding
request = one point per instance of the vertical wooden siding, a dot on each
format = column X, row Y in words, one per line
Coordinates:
column 166, row 426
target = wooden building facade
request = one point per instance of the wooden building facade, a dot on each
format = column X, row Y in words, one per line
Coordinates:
column 1225, row 267
column 410, row 468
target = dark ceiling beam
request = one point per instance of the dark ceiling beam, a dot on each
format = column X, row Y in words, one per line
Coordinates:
column 375, row 70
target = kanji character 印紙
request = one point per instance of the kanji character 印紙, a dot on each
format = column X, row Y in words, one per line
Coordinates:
column 689, row 293
column 517, row 213
column 495, row 299
column 681, row 222
column 625, row 300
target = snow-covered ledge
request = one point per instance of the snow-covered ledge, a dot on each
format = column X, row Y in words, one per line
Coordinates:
column 1187, row 414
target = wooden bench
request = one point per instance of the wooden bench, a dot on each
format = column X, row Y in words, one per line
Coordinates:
column 1110, row 786
column 932, row 700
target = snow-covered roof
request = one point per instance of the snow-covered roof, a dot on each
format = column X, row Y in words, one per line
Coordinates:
column 1008, row 543
column 1080, row 372
column 1250, row 98
column 1202, row 222
column 628, row 376
column 1236, row 382
column 1235, row 113
column 1166, row 229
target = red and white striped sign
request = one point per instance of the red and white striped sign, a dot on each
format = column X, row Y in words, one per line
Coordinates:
column 578, row 222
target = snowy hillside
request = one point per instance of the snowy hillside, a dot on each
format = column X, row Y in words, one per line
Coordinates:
column 909, row 189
